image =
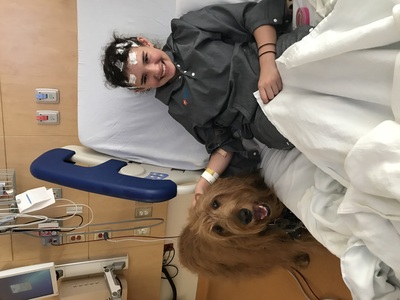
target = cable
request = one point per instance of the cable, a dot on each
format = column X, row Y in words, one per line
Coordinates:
column 143, row 239
column 76, row 209
column 27, row 227
column 125, row 238
column 44, row 219
column 80, row 223
column 301, row 286
column 171, row 282
column 161, row 221
column 120, row 284
column 167, row 261
column 41, row 219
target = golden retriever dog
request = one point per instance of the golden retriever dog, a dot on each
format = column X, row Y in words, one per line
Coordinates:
column 238, row 229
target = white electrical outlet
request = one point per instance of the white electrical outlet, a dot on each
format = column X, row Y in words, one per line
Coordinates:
column 143, row 212
column 45, row 95
column 142, row 231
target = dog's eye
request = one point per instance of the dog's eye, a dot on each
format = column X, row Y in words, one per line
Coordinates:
column 215, row 204
column 218, row 229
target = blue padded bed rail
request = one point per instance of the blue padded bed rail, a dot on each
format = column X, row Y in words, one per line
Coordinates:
column 55, row 166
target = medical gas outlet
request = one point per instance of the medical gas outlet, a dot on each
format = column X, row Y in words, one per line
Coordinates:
column 45, row 95
column 48, row 117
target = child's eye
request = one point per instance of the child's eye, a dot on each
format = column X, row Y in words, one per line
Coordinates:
column 144, row 79
column 146, row 58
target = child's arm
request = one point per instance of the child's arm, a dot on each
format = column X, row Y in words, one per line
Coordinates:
column 219, row 161
column 270, row 82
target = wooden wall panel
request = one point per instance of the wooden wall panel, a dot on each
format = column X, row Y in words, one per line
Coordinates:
column 2, row 147
column 38, row 48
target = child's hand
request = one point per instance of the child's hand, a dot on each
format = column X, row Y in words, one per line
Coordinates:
column 270, row 82
column 201, row 187
column 195, row 198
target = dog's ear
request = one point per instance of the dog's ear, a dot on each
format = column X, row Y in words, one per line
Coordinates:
column 239, row 256
column 201, row 256
column 191, row 251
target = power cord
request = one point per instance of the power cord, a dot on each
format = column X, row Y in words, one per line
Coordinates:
column 169, row 255
column 171, row 282
column 307, row 284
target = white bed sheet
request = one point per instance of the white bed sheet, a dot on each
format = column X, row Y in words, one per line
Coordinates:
column 340, row 108
column 315, row 197
column 118, row 122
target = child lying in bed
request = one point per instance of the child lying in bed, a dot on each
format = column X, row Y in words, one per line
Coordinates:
column 213, row 61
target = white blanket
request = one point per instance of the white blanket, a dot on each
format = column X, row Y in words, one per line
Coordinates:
column 340, row 108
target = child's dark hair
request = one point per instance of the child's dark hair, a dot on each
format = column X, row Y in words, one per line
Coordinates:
column 114, row 58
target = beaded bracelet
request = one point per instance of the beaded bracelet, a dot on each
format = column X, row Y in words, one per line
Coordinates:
column 266, row 53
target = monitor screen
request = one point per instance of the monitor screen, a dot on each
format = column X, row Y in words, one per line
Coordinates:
column 29, row 282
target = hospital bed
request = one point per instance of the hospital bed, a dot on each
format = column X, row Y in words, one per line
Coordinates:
column 339, row 107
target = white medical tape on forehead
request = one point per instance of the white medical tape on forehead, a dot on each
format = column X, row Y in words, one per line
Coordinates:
column 133, row 44
column 132, row 79
column 121, row 47
column 132, row 58
column 119, row 64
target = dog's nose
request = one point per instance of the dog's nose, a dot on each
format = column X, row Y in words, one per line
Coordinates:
column 245, row 216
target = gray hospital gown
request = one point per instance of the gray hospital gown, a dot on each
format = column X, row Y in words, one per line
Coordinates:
column 218, row 70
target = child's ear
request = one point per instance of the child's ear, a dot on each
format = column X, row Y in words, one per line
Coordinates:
column 145, row 41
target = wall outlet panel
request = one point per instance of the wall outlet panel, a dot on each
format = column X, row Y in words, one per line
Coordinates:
column 53, row 240
column 142, row 231
column 77, row 237
column 168, row 247
column 100, row 235
column 50, row 233
column 48, row 117
column 57, row 193
column 143, row 212
column 46, row 95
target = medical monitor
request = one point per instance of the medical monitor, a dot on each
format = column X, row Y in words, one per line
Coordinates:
column 29, row 282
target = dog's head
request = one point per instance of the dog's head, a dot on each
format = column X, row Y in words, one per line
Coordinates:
column 228, row 234
column 235, row 206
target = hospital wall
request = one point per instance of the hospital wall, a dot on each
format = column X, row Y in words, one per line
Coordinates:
column 38, row 48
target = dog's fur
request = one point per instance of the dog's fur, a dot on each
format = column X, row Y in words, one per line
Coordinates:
column 225, row 238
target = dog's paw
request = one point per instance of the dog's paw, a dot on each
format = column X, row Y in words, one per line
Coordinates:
column 302, row 260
